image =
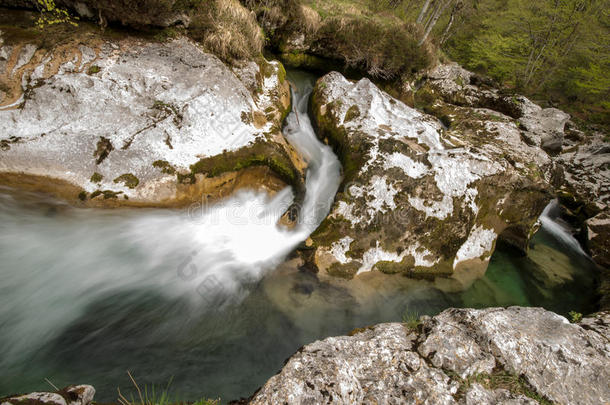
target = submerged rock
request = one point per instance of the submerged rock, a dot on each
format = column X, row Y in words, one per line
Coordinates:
column 514, row 355
column 136, row 122
column 71, row 395
column 419, row 198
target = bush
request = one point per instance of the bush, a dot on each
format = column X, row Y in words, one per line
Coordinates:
column 383, row 49
column 227, row 29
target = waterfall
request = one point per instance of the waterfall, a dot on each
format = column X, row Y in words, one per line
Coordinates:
column 553, row 225
column 54, row 266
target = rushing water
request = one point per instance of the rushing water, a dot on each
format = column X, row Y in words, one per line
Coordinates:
column 202, row 297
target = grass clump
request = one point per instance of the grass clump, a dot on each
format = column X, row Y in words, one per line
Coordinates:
column 384, row 49
column 411, row 319
column 157, row 396
column 227, row 29
column 575, row 317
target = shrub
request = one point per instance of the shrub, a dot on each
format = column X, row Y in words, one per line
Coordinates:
column 227, row 29
column 382, row 48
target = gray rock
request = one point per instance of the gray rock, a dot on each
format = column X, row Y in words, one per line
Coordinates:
column 478, row 395
column 130, row 119
column 379, row 365
column 541, row 127
column 71, row 395
column 418, row 198
column 598, row 238
column 542, row 356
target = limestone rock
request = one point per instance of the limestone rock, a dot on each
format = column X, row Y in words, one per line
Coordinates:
column 540, row 127
column 71, row 395
column 379, row 365
column 154, row 123
column 598, row 238
column 533, row 353
column 418, row 198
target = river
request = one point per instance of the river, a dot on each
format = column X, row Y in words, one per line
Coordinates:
column 204, row 297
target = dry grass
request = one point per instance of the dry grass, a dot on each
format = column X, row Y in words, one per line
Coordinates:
column 228, row 30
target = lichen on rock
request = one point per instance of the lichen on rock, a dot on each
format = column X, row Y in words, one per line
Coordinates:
column 148, row 103
column 461, row 356
column 418, row 198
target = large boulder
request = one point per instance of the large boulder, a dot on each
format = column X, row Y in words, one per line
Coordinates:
column 466, row 356
column 419, row 198
column 144, row 123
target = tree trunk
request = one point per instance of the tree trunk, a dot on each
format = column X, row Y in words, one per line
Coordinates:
column 423, row 11
column 454, row 11
column 442, row 5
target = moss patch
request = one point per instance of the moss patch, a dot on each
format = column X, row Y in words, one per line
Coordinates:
column 93, row 69
column 258, row 154
column 352, row 113
column 128, row 179
column 96, row 177
column 164, row 166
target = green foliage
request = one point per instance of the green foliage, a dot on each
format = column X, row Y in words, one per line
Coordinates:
column 50, row 14
column 556, row 50
column 575, row 317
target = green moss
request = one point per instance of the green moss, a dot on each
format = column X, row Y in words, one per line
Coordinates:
column 93, row 69
column 82, row 195
column 164, row 166
column 305, row 61
column 108, row 194
column 96, row 177
column 389, row 267
column 352, row 113
column 347, row 271
column 128, row 179
column 281, row 73
column 257, row 154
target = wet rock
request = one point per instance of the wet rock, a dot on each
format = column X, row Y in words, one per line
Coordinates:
column 71, row 395
column 177, row 121
column 419, row 198
column 513, row 356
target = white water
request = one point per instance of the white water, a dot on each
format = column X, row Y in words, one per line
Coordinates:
column 551, row 222
column 53, row 267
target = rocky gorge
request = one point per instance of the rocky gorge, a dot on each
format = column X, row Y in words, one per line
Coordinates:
column 436, row 173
